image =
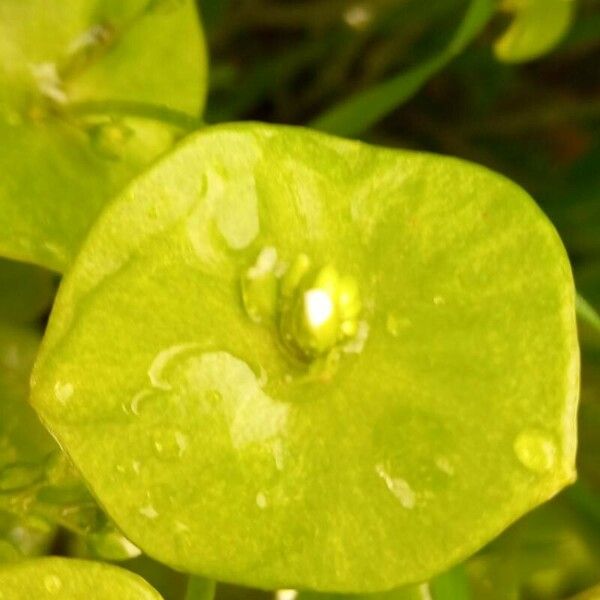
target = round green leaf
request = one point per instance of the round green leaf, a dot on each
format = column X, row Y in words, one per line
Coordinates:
column 191, row 372
column 537, row 27
column 68, row 579
column 85, row 88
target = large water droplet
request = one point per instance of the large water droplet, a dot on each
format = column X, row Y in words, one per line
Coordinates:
column 53, row 584
column 535, row 450
column 397, row 486
column 63, row 391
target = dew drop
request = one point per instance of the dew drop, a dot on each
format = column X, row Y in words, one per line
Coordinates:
column 53, row 584
column 136, row 466
column 357, row 343
column 261, row 500
column 444, row 465
column 286, row 594
column 277, row 450
column 398, row 487
column 170, row 444
column 138, row 401
column 157, row 373
column 109, row 139
column 439, row 300
column 63, row 391
column 214, row 396
column 535, row 450
column 148, row 511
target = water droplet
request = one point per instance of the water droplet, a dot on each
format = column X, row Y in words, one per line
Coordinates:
column 278, row 457
column 170, row 444
column 110, row 138
column 395, row 324
column 398, row 487
column 148, row 511
column 63, row 391
column 444, row 465
column 260, row 286
column 157, row 373
column 439, row 300
column 235, row 206
column 286, row 594
column 136, row 466
column 261, row 500
column 53, row 584
column 214, row 396
column 357, row 343
column 535, row 450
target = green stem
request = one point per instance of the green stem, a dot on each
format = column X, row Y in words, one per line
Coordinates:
column 587, row 313
column 200, row 588
column 141, row 110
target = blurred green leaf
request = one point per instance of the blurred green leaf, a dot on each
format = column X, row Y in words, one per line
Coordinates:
column 70, row 579
column 88, row 95
column 536, row 28
column 551, row 553
column 357, row 114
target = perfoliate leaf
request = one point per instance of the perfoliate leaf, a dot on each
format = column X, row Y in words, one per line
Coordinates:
column 289, row 360
column 85, row 90
column 69, row 579
column 537, row 27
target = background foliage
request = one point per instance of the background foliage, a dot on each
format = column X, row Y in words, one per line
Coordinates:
column 436, row 85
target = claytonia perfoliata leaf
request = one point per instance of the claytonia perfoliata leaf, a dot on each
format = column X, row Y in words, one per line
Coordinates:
column 70, row 579
column 537, row 27
column 91, row 91
column 328, row 359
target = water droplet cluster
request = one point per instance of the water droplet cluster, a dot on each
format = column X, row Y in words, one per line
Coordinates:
column 315, row 309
